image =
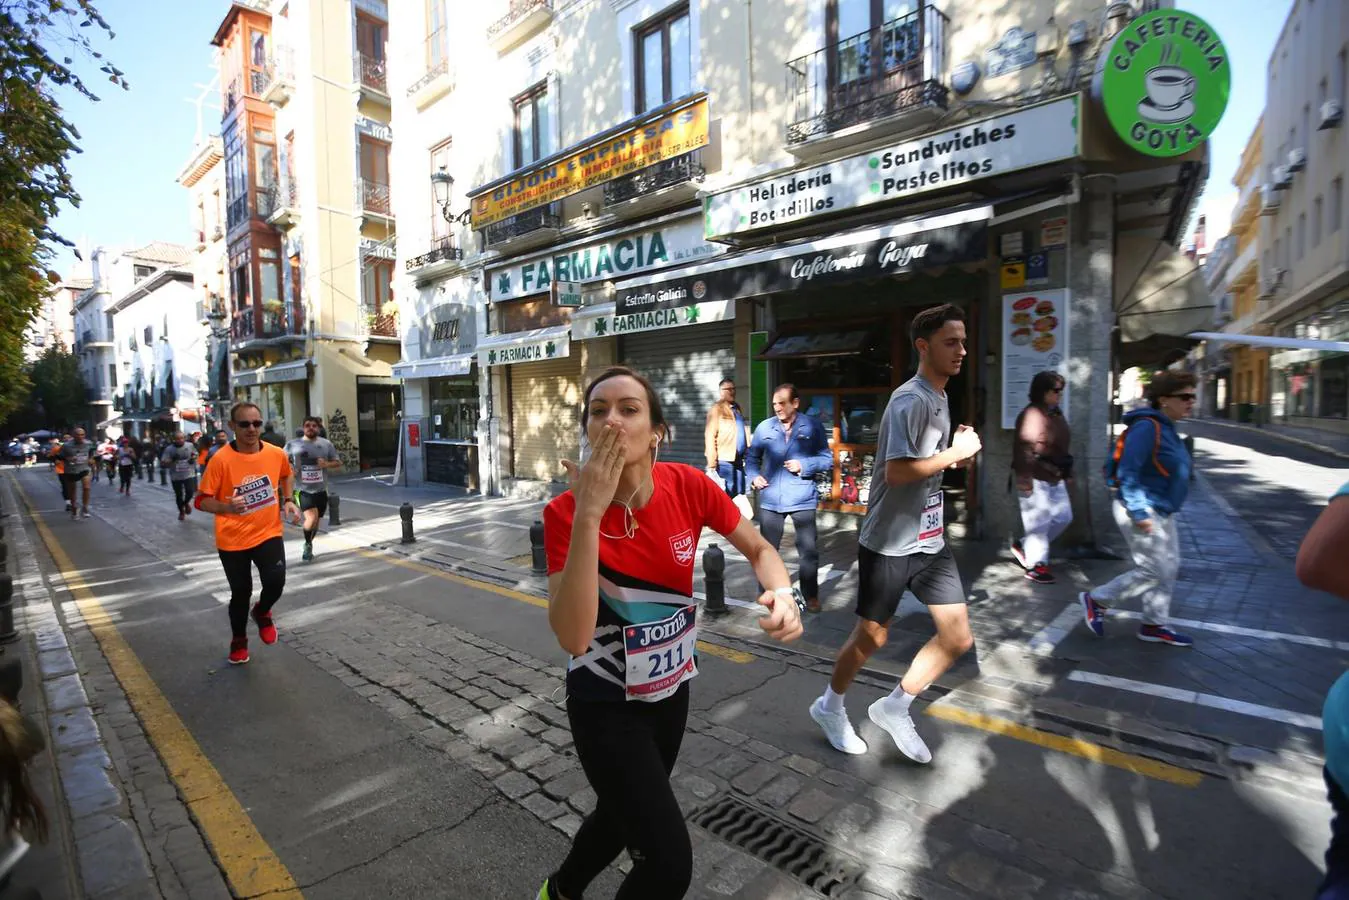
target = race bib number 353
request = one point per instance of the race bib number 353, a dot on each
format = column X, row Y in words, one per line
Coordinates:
column 660, row 655
column 257, row 493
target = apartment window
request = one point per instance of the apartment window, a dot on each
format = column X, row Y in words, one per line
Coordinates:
column 296, row 298
column 1287, row 246
column 201, row 222
column 149, row 335
column 257, row 61
column 1321, row 93
column 1316, row 222
column 288, row 148
column 1336, row 205
column 1301, row 235
column 533, row 125
column 139, row 273
column 1278, row 254
column 236, row 176
column 440, row 159
column 377, row 287
column 375, row 176
column 371, row 35
column 1342, row 74
column 112, row 375
column 435, row 34
column 663, row 59
column 264, row 178
column 1306, row 126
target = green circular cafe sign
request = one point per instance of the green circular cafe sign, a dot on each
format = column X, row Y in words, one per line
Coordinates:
column 1164, row 82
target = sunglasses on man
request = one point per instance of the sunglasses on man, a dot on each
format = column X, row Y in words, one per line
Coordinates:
column 252, row 423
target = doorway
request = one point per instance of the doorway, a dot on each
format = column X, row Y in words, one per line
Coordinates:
column 378, row 410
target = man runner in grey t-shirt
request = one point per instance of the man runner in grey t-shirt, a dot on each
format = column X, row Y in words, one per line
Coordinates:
column 78, row 456
column 901, row 545
column 311, row 456
column 180, row 459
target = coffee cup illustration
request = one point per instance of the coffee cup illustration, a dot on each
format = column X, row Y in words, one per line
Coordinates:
column 1169, row 86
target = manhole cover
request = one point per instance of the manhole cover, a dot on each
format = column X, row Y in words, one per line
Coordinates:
column 788, row 848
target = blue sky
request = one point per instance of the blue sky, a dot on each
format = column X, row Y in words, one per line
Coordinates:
column 135, row 142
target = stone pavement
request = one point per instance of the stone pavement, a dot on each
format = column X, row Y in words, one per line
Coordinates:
column 119, row 828
column 1333, row 442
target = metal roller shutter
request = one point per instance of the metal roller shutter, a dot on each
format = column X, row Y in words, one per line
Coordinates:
column 685, row 366
column 545, row 417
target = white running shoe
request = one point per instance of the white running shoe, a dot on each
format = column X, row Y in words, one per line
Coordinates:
column 837, row 728
column 901, row 729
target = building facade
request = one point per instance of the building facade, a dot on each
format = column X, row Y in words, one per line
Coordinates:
column 1304, row 287
column 624, row 187
column 309, row 223
column 161, row 347
column 54, row 324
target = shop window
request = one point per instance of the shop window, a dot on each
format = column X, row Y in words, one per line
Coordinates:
column 533, row 125
column 454, row 409
column 663, row 59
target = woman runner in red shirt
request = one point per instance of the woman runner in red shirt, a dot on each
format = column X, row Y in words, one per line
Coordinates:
column 621, row 547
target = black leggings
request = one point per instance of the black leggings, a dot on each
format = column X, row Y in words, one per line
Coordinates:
column 183, row 492
column 628, row 750
column 772, row 524
column 270, row 558
column 125, row 473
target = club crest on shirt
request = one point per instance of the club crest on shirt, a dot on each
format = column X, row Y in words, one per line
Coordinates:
column 683, row 546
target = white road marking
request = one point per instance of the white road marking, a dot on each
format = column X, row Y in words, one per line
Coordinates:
column 1220, row 628
column 1044, row 641
column 1213, row 701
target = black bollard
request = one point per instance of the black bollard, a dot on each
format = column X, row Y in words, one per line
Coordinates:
column 7, row 632
column 714, row 576
column 335, row 510
column 405, row 513
column 536, row 554
column 4, row 556
column 163, row 475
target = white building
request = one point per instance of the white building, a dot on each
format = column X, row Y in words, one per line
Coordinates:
column 54, row 324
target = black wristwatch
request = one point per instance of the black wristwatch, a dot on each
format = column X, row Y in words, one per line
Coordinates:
column 796, row 596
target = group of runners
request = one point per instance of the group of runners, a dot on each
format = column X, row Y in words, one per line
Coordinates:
column 249, row 484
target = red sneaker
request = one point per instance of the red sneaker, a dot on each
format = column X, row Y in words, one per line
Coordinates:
column 238, row 651
column 266, row 630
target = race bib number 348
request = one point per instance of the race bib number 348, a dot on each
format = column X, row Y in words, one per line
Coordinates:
column 660, row 655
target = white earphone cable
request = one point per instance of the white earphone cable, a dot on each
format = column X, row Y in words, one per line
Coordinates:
column 629, row 517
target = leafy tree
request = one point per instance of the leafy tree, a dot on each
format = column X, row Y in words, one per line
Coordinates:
column 35, row 142
column 58, row 388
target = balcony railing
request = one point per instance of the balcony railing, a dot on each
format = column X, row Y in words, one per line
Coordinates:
column 373, row 197
column 521, row 16
column 442, row 250
column 522, row 224
column 380, row 324
column 680, row 170
column 275, row 324
column 371, row 72
column 437, row 61
column 217, row 233
column 879, row 73
column 278, row 76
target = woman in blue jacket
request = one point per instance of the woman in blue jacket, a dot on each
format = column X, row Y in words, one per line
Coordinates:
column 784, row 456
column 1152, row 480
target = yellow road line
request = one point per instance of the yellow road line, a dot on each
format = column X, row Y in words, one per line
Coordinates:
column 249, row 864
column 735, row 656
column 1073, row 746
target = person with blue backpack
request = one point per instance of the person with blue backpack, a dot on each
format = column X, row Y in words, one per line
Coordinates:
column 1148, row 472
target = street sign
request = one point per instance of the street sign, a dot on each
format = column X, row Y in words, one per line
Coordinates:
column 566, row 293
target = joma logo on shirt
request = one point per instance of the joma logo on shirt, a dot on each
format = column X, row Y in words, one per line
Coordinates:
column 661, row 631
column 683, row 546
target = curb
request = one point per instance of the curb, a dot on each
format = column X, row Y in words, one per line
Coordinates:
column 1301, row 442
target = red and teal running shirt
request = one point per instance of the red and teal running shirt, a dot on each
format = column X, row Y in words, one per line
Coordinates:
column 642, row 579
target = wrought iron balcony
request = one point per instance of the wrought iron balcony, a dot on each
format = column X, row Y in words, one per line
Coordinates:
column 217, row 233
column 442, row 250
column 383, row 325
column 372, row 198
column 522, row 224
column 437, row 80
column 883, row 72
column 277, row 81
column 371, row 73
column 522, row 18
column 270, row 323
column 680, row 170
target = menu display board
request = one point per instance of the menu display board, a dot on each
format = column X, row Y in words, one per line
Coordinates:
column 1034, row 339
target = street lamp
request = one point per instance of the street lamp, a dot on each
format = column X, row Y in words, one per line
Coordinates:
column 442, row 183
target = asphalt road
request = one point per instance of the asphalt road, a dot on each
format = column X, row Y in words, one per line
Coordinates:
column 1279, row 488
column 355, row 808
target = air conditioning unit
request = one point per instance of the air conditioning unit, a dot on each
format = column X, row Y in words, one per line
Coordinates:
column 1269, row 200
column 1331, row 114
column 1283, row 179
column 1297, row 159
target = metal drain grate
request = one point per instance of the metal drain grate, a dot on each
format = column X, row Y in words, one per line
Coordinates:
column 786, row 847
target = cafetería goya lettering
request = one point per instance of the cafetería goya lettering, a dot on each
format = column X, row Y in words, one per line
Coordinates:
column 1164, row 82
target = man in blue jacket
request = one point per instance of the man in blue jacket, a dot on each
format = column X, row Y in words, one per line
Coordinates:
column 1151, row 479
column 784, row 456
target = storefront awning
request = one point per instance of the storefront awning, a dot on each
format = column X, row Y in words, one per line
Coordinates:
column 435, row 367
column 518, row 347
column 1158, row 290
column 824, row 343
column 298, row 370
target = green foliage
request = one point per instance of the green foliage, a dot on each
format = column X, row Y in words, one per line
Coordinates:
column 35, row 142
column 58, row 388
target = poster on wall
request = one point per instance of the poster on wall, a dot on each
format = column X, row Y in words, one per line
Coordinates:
column 1034, row 339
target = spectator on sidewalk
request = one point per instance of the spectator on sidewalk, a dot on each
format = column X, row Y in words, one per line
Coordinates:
column 1149, row 472
column 784, row 456
column 726, row 437
column 1042, row 466
column 270, row 436
column 1320, row 565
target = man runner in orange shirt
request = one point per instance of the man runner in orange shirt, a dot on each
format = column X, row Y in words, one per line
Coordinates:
column 247, row 485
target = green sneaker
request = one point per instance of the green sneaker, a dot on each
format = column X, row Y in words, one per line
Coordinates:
column 308, row 554
column 544, row 893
